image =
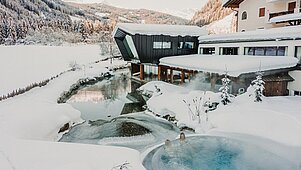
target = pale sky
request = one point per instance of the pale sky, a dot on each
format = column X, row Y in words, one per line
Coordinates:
column 158, row 5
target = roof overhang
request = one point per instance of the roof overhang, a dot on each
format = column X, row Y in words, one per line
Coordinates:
column 235, row 65
column 274, row 34
column 232, row 3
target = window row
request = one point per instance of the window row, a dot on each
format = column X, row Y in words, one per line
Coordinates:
column 259, row 51
column 167, row 45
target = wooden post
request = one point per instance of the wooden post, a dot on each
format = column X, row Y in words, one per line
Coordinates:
column 141, row 72
column 183, row 76
column 171, row 75
column 159, row 72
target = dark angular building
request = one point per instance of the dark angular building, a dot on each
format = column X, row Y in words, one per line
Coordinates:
column 148, row 43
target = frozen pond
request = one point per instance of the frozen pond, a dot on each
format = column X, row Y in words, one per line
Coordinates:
column 207, row 152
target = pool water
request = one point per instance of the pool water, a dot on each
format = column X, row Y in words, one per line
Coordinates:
column 218, row 153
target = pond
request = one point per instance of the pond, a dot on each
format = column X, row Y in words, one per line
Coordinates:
column 114, row 115
column 209, row 152
column 108, row 98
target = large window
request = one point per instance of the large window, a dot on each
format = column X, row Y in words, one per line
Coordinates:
column 210, row 50
column 186, row 45
column 162, row 45
column 265, row 51
column 244, row 15
column 229, row 51
column 261, row 12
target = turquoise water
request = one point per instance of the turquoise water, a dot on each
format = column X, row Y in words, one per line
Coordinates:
column 217, row 153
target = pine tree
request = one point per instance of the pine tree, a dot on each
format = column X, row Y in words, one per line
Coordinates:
column 225, row 96
column 258, row 85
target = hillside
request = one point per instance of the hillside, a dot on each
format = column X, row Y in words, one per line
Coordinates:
column 130, row 15
column 55, row 22
column 212, row 11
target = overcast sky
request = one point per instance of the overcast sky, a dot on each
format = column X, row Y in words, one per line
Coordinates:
column 151, row 4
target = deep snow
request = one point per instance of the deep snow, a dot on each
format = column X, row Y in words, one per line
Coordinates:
column 36, row 115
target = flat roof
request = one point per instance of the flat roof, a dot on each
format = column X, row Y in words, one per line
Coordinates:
column 161, row 29
column 235, row 65
column 275, row 34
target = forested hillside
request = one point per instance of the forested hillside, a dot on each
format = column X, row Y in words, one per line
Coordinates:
column 55, row 22
column 212, row 11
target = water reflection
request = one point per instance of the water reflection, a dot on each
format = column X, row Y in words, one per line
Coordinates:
column 107, row 98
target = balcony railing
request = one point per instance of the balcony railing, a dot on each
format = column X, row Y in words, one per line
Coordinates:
column 272, row 15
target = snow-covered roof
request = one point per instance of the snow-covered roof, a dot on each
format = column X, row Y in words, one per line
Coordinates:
column 234, row 64
column 283, row 33
column 288, row 17
column 160, row 29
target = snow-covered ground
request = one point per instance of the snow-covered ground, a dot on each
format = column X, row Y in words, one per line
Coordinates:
column 35, row 115
column 277, row 119
column 22, row 65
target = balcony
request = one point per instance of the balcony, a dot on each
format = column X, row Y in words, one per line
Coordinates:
column 272, row 15
column 290, row 17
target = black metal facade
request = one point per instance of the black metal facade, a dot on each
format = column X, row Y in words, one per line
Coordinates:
column 147, row 53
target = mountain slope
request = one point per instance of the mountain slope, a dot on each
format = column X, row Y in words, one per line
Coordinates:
column 55, row 22
column 130, row 15
column 212, row 11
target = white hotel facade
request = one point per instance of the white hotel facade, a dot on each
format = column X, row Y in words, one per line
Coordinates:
column 264, row 28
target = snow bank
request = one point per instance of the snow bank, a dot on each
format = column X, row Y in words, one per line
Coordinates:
column 36, row 115
column 234, row 64
column 276, row 118
column 22, row 65
column 36, row 155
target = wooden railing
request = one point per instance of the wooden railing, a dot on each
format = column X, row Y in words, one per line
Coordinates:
column 272, row 15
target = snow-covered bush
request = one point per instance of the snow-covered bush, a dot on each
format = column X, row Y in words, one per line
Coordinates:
column 124, row 166
column 74, row 66
column 258, row 86
column 225, row 96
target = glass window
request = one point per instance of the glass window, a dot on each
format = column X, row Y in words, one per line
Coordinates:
column 157, row 45
column 298, row 54
column 244, row 15
column 281, row 51
column 297, row 93
column 186, row 45
column 166, row 44
column 259, row 51
column 261, row 12
column 265, row 51
column 271, row 51
column 160, row 45
column 180, row 45
column 229, row 51
column 208, row 50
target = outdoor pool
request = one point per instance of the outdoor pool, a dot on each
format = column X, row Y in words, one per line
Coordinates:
column 209, row 152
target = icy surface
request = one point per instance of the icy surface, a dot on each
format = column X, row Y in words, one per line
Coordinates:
column 160, row 29
column 234, row 64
